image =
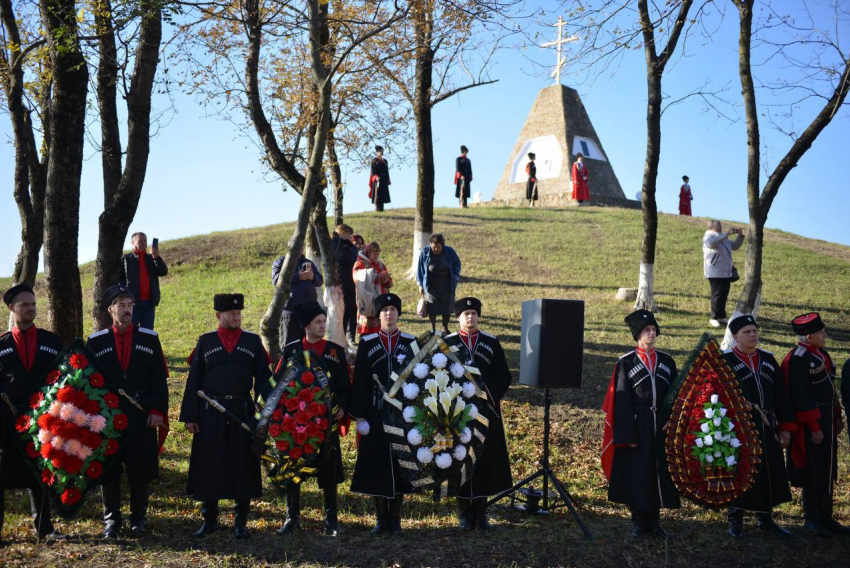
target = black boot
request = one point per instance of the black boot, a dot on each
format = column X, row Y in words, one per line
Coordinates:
column 139, row 497
column 478, row 507
column 736, row 522
column 40, row 507
column 825, row 514
column 639, row 523
column 654, row 525
column 382, row 512
column 811, row 518
column 395, row 514
column 111, row 493
column 240, row 519
column 293, row 510
column 464, row 514
column 209, row 509
column 765, row 522
column 331, row 521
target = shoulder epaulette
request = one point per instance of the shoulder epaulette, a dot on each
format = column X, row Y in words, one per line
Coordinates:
column 99, row 333
column 627, row 354
column 799, row 352
column 485, row 334
column 369, row 337
column 766, row 351
column 148, row 331
column 450, row 335
column 407, row 335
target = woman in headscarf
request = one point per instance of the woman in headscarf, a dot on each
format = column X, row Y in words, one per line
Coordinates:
column 372, row 279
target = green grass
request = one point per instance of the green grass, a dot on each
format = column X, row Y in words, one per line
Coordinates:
column 508, row 255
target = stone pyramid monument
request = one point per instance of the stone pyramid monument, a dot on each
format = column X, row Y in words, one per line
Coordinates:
column 558, row 128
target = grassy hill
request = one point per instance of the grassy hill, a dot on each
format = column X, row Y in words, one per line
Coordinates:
column 508, row 255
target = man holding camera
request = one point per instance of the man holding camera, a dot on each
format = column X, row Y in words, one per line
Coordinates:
column 718, row 267
column 140, row 275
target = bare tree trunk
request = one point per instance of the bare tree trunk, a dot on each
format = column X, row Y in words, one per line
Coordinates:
column 333, row 300
column 62, row 198
column 122, row 189
column 336, row 177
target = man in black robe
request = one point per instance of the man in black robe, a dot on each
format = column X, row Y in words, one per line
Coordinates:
column 131, row 358
column 492, row 473
column 760, row 379
column 531, row 185
column 226, row 364
column 379, row 180
column 812, row 456
column 331, row 358
column 639, row 384
column 25, row 357
column 463, row 176
column 376, row 472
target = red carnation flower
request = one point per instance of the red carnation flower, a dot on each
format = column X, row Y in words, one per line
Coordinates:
column 92, row 407
column 307, row 378
column 318, row 409
column 302, row 417
column 71, row 496
column 31, row 452
column 111, row 400
column 292, row 404
column 72, row 464
column 282, row 445
column 78, row 361
column 323, row 424
column 308, row 449
column 300, row 438
column 47, row 477
column 321, row 436
column 64, row 394
column 312, row 429
column 277, row 415
column 111, row 447
column 94, row 470
column 289, row 424
column 120, row 422
column 295, row 453
column 274, row 430
column 53, row 377
column 291, row 383
column 36, row 399
column 305, row 395
column 22, row 424
column 96, row 380
column 45, row 450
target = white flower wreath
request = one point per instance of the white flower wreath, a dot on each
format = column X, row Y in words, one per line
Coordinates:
column 443, row 460
column 457, row 370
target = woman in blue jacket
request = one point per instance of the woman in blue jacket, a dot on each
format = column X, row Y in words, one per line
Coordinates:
column 437, row 274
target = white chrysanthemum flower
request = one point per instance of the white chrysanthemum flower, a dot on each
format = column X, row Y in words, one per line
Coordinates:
column 443, row 460
column 468, row 389
column 439, row 360
column 700, row 443
column 466, row 436
column 57, row 441
column 430, row 403
column 709, row 412
column 420, row 370
column 408, row 413
column 735, row 443
column 708, row 440
column 459, row 453
column 54, row 409
column 44, row 436
column 67, row 412
column 731, row 426
column 411, row 390
column 704, row 427
column 723, row 412
column 717, row 420
column 97, row 423
column 414, row 437
column 432, row 387
column 730, row 460
column 424, row 455
column 709, row 459
column 714, row 399
column 363, row 427
column 473, row 411
column 457, row 370
column 717, row 454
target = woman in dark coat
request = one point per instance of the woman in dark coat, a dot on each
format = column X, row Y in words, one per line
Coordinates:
column 346, row 255
column 437, row 273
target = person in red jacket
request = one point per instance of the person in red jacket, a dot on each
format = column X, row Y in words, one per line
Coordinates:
column 685, row 197
column 580, row 177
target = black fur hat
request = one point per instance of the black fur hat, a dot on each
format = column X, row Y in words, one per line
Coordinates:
column 227, row 302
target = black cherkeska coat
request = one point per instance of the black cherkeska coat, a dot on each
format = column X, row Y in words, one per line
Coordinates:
column 381, row 168
column 492, row 473
column 222, row 465
column 19, row 385
column 463, row 167
column 146, row 380
column 376, row 471
column 333, row 362
column 845, row 387
column 635, row 479
column 766, row 389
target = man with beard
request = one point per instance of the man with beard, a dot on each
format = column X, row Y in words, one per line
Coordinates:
column 492, row 472
column 131, row 358
column 25, row 357
column 812, row 458
column 332, row 359
column 226, row 364
column 630, row 456
column 376, row 471
column 760, row 380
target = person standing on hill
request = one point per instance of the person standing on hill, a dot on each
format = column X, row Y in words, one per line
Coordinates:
column 437, row 274
column 580, row 178
column 685, row 197
column 346, row 255
column 531, row 185
column 379, row 180
column 630, row 457
column 140, row 275
column 371, row 279
column 718, row 267
column 304, row 286
column 463, row 176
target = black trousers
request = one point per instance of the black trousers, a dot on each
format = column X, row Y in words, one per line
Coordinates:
column 290, row 328
column 719, row 295
column 349, row 321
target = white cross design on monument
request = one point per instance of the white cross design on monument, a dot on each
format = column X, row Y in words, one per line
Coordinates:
column 560, row 60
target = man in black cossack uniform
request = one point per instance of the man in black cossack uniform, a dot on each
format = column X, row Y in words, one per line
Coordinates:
column 813, row 456
column 463, row 176
column 226, row 364
column 760, row 379
column 26, row 354
column 131, row 359
column 376, row 472
column 531, row 194
column 639, row 384
column 492, row 473
column 331, row 358
column 379, row 180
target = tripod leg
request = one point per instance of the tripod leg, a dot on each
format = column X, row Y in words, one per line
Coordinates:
column 516, row 487
column 568, row 500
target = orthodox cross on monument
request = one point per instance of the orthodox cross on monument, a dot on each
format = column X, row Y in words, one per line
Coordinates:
column 560, row 60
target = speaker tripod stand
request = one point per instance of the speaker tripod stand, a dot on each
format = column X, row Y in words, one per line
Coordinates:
column 546, row 473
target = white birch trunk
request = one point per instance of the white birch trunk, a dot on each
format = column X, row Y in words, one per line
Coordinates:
column 315, row 256
column 420, row 241
column 336, row 311
column 646, row 289
column 729, row 341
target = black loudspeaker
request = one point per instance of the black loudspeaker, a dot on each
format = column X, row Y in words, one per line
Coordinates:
column 552, row 344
